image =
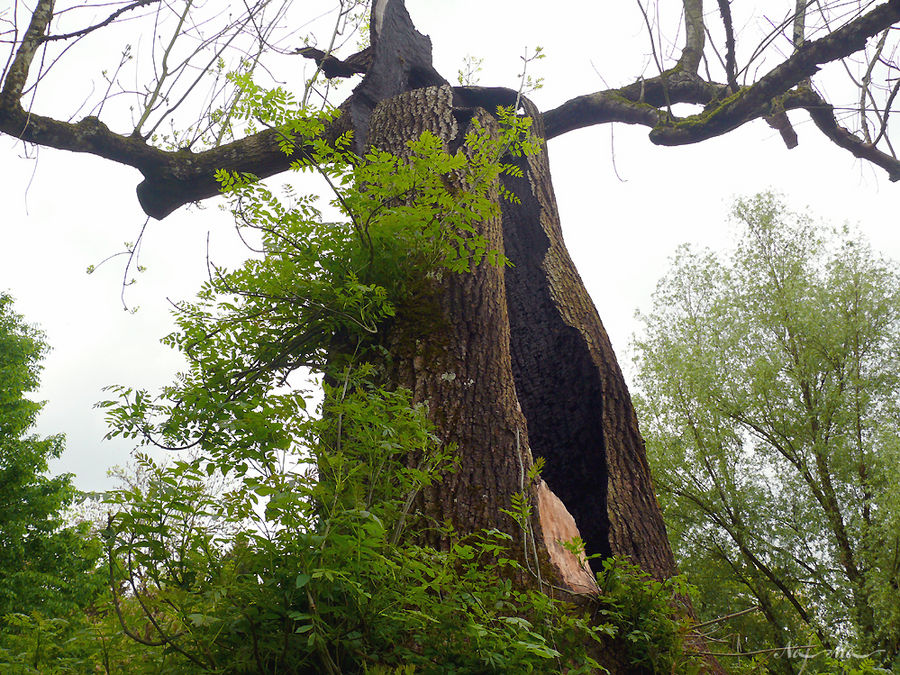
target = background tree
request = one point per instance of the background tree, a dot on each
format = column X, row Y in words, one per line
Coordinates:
column 769, row 398
column 548, row 382
column 46, row 564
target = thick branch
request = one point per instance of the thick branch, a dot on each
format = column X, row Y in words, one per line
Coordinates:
column 599, row 108
column 636, row 103
column 90, row 135
column 185, row 177
column 171, row 179
column 756, row 101
column 822, row 114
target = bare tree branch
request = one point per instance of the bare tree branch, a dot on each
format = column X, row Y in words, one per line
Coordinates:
column 865, row 87
column 755, row 101
column 887, row 110
column 695, row 36
column 822, row 113
column 730, row 58
column 637, row 103
column 799, row 35
column 108, row 20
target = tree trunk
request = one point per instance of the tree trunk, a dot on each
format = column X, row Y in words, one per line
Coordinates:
column 579, row 411
column 514, row 363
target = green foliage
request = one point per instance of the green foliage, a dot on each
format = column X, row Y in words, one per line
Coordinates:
column 769, row 387
column 45, row 565
column 299, row 563
column 647, row 615
column 35, row 644
column 467, row 75
column 78, row 643
column 853, row 666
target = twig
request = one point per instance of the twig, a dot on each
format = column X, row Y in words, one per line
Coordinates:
column 726, row 617
column 759, row 651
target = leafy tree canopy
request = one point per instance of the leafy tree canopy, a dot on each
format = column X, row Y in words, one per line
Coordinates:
column 45, row 564
column 769, row 381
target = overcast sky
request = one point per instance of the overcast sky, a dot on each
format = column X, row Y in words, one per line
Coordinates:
column 625, row 206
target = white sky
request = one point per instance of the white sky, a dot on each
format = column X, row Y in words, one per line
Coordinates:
column 68, row 211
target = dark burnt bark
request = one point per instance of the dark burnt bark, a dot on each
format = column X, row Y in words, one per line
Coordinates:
column 579, row 411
